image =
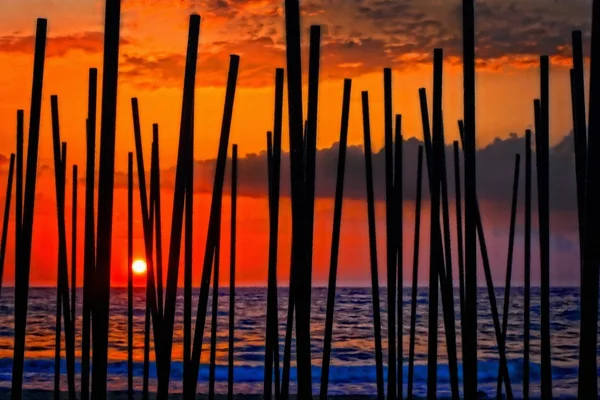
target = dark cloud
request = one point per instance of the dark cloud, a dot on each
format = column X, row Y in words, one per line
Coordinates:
column 495, row 170
column 362, row 36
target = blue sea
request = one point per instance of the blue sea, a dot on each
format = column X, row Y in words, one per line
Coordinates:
column 353, row 360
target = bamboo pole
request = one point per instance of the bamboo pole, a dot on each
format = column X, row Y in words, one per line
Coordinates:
column 399, row 202
column 413, row 304
column 390, row 232
column 214, row 314
column 511, row 241
column 129, row 275
column 459, row 239
column 272, row 353
column 335, row 239
column 542, row 157
column 24, row 257
column 7, row 200
column 372, row 245
column 181, row 179
column 446, row 284
column 58, row 317
column 527, row 266
column 588, row 342
column 74, row 252
column 156, row 212
column 60, row 163
column 491, row 291
column 110, row 72
column 89, row 239
column 232, row 256
column 188, row 251
column 470, row 326
column 211, row 240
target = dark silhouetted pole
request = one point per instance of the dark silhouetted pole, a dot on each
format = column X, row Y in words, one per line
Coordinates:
column 470, row 319
column 511, row 241
column 542, row 157
column 413, row 304
column 89, row 256
column 390, row 231
column 232, row 256
column 459, row 237
column 24, row 257
column 274, row 173
column 63, row 272
column 398, row 201
column 58, row 330
column 446, row 284
column 211, row 239
column 181, row 179
column 188, row 253
column 19, row 182
column 588, row 344
column 372, row 244
column 74, row 252
column 214, row 315
column 129, row 275
column 155, row 210
column 7, row 200
column 106, row 177
column 335, row 239
column 527, row 264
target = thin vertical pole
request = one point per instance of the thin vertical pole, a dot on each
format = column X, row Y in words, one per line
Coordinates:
column 188, row 252
column 19, row 182
column 157, row 213
column 5, row 220
column 24, row 256
column 542, row 155
column 89, row 257
column 58, row 329
column 181, row 179
column 470, row 326
column 511, row 241
column 129, row 275
column 527, row 264
column 579, row 131
column 232, row 255
column 390, row 232
column 491, row 290
column 60, row 163
column 413, row 304
column 335, row 239
column 372, row 244
column 446, row 284
column 588, row 364
column 399, row 203
column 459, row 239
column 74, row 252
column 214, row 315
column 211, row 240
column 106, row 176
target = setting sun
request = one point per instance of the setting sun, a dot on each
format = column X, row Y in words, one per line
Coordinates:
column 139, row 266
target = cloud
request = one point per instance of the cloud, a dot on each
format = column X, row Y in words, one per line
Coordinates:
column 495, row 171
column 362, row 36
column 57, row 46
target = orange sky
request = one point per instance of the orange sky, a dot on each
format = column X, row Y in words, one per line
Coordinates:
column 359, row 39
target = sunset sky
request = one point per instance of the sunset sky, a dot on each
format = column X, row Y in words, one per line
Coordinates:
column 359, row 39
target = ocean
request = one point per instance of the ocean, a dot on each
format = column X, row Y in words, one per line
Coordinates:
column 352, row 359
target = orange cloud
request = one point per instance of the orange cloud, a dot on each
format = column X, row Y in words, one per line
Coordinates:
column 57, row 46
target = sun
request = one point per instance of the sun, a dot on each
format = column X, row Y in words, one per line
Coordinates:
column 139, row 266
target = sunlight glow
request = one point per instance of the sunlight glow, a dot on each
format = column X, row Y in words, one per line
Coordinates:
column 139, row 267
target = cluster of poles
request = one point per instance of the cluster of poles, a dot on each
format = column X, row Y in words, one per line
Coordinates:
column 161, row 301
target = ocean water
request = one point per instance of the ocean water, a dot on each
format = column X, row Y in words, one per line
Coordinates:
column 352, row 363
